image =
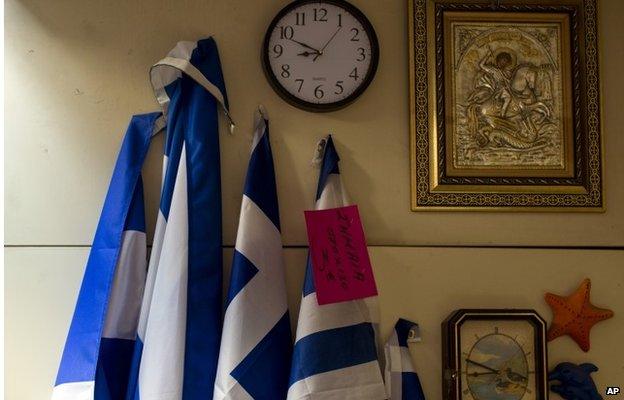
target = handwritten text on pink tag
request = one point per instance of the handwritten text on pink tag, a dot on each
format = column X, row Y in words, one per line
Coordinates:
column 341, row 266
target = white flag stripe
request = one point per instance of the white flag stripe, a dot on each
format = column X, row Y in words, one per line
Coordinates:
column 406, row 360
column 333, row 194
column 261, row 244
column 235, row 392
column 162, row 364
column 152, row 270
column 334, row 315
column 125, row 299
column 74, row 391
column 351, row 383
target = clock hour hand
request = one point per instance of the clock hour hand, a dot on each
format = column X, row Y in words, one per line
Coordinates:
column 482, row 366
column 306, row 54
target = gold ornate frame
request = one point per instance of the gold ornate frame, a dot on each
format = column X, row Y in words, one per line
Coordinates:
column 436, row 186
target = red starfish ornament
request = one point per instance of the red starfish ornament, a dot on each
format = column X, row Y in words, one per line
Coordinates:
column 574, row 315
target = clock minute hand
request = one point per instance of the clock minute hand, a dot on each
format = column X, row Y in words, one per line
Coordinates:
column 482, row 366
column 482, row 373
column 304, row 45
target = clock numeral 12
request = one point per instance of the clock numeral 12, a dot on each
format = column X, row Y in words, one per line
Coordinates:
column 320, row 14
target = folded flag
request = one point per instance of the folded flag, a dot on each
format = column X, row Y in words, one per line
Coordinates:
column 402, row 382
column 335, row 353
column 157, row 336
column 180, row 322
column 256, row 345
column 98, row 350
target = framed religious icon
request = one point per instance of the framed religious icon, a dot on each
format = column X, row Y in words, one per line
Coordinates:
column 494, row 355
column 505, row 105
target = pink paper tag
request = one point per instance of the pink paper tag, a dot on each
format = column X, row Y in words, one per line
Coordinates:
column 342, row 268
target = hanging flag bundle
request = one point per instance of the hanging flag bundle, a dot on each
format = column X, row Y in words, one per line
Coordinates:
column 99, row 347
column 169, row 348
column 256, row 345
column 402, row 382
column 335, row 353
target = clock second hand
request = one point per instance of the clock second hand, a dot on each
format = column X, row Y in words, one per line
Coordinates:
column 318, row 54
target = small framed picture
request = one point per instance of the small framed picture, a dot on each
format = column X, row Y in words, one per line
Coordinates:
column 505, row 105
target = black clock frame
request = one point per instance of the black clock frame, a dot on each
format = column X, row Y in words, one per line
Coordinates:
column 306, row 105
column 451, row 363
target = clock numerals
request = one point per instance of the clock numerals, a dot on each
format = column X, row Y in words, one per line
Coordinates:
column 356, row 35
column 354, row 74
column 300, row 82
column 286, row 32
column 320, row 56
column 300, row 16
column 320, row 14
column 278, row 49
column 318, row 92
column 361, row 54
column 285, row 71
column 339, row 87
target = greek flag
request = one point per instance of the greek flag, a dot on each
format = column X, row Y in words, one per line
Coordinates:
column 402, row 382
column 179, row 328
column 335, row 353
column 99, row 347
column 157, row 336
column 256, row 345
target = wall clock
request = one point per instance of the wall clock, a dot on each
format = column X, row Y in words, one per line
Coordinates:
column 320, row 55
column 494, row 355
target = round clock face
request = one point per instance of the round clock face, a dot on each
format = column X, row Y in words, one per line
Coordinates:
column 320, row 55
column 498, row 360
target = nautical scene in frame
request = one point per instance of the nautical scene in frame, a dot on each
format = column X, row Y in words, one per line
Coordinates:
column 508, row 93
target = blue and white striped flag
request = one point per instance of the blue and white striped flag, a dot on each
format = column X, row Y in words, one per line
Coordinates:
column 180, row 323
column 99, row 347
column 256, row 344
column 156, row 337
column 335, row 353
column 402, row 382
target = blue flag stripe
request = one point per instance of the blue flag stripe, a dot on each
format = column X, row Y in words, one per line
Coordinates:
column 205, row 276
column 333, row 349
column 264, row 372
column 411, row 388
column 135, row 221
column 329, row 165
column 260, row 184
column 242, row 272
column 308, row 282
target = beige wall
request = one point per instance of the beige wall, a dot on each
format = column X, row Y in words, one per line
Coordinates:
column 76, row 70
